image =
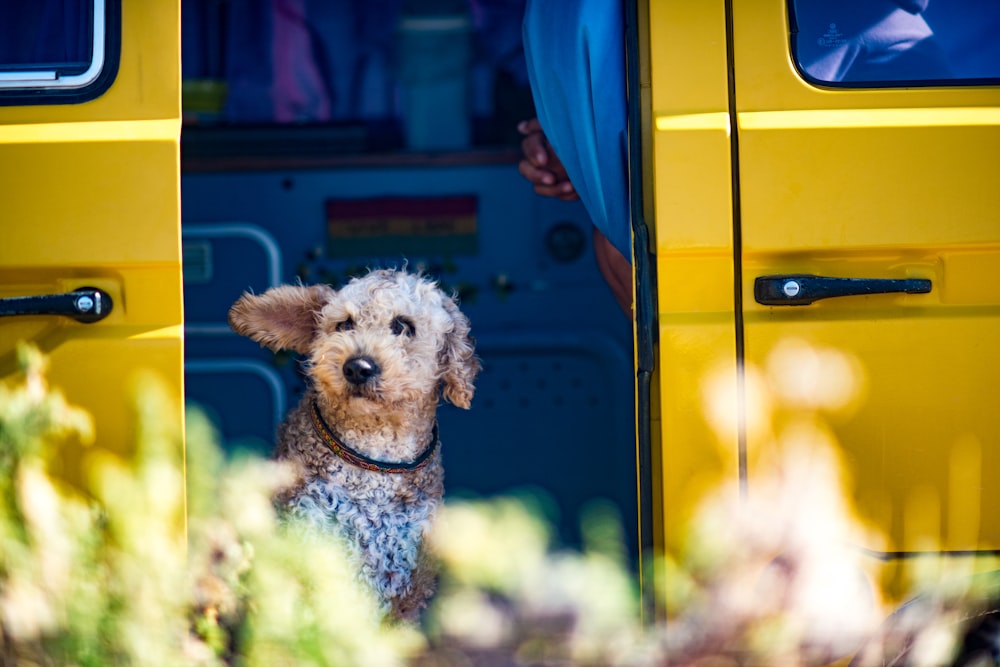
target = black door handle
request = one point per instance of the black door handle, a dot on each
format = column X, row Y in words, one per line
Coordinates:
column 86, row 304
column 801, row 290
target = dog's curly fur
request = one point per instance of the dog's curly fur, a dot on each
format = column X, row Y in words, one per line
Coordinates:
column 418, row 342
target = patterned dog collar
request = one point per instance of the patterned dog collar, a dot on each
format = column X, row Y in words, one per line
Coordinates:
column 358, row 459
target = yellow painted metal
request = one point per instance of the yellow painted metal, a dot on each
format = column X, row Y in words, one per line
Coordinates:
column 873, row 183
column 882, row 184
column 91, row 198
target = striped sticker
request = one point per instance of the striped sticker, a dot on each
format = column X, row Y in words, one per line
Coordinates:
column 387, row 226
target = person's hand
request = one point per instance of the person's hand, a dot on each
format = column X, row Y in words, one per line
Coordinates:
column 541, row 165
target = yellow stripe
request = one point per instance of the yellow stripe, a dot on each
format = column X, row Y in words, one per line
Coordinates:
column 122, row 130
column 716, row 120
column 400, row 226
column 775, row 120
column 819, row 118
column 174, row 331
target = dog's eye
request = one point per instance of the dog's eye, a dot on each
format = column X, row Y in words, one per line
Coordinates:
column 401, row 326
column 346, row 325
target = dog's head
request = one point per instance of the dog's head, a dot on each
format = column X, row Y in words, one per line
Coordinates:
column 385, row 338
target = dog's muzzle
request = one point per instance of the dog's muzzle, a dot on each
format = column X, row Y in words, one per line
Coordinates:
column 360, row 370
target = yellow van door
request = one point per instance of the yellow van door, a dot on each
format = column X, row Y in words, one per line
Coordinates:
column 689, row 214
column 868, row 221
column 805, row 200
column 90, row 264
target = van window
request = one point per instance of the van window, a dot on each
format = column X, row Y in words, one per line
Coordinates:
column 884, row 43
column 57, row 50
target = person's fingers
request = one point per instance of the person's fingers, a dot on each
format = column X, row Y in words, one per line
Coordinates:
column 547, row 190
column 531, row 126
column 557, row 191
column 534, row 147
column 541, row 166
column 566, row 191
column 546, row 183
column 535, row 174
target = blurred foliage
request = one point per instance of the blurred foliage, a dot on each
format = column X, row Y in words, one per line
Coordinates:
column 103, row 575
column 130, row 570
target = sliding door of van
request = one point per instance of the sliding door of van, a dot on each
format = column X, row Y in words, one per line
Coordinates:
column 868, row 137
column 90, row 266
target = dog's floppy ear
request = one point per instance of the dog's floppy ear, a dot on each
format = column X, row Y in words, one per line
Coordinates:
column 459, row 360
column 282, row 318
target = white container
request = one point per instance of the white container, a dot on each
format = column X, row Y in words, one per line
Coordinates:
column 434, row 53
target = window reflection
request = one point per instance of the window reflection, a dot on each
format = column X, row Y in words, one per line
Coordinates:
column 896, row 41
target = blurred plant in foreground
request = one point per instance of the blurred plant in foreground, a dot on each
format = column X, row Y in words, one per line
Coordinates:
column 507, row 598
column 103, row 575
column 769, row 574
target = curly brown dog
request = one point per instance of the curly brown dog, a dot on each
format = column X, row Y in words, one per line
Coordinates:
column 380, row 352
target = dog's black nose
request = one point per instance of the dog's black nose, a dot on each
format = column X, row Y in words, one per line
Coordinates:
column 358, row 370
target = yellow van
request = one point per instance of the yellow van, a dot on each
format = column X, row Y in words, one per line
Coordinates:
column 802, row 185
column 786, row 191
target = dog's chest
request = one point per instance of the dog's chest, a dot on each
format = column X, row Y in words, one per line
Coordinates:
column 356, row 501
column 383, row 523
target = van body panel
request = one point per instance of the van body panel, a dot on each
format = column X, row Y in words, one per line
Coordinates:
column 767, row 174
column 881, row 183
column 91, row 198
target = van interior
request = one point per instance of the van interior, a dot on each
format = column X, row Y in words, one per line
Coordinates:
column 325, row 137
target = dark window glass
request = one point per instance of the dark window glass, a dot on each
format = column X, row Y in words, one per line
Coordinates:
column 46, row 36
column 58, row 51
column 896, row 42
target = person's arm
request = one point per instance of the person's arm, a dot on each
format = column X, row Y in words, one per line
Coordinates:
column 616, row 269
